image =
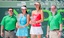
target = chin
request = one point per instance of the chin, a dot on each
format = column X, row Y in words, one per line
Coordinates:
column 11, row 14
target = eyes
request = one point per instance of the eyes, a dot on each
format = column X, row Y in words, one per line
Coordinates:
column 23, row 9
column 36, row 5
column 10, row 10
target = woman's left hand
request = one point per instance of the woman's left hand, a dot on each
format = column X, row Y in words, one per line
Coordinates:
column 33, row 22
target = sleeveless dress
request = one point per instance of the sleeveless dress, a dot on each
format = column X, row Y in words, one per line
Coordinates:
column 36, row 28
column 22, row 20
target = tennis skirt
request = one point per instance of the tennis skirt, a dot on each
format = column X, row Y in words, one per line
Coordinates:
column 36, row 30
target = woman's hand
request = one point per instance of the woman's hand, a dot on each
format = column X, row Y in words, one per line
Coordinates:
column 21, row 26
column 32, row 22
column 17, row 26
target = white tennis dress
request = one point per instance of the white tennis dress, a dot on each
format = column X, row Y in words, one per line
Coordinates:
column 36, row 29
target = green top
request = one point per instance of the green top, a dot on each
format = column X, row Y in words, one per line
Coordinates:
column 55, row 21
column 9, row 22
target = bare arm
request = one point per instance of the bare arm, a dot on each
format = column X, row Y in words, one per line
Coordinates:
column 48, row 30
column 2, row 32
column 17, row 26
column 2, row 27
column 60, row 22
column 60, row 27
column 28, row 19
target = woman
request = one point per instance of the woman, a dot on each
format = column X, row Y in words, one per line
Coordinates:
column 23, row 21
column 36, row 19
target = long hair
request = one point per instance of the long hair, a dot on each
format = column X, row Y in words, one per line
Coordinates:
column 39, row 6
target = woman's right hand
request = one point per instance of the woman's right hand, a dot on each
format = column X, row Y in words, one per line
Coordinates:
column 31, row 22
column 17, row 26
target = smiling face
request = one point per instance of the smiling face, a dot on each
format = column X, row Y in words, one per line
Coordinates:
column 23, row 10
column 37, row 5
column 10, row 11
column 53, row 8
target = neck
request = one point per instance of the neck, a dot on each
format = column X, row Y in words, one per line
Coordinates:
column 37, row 9
column 10, row 15
column 53, row 13
column 24, row 13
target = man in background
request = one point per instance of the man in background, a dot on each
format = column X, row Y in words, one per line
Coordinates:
column 54, row 27
column 8, row 25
